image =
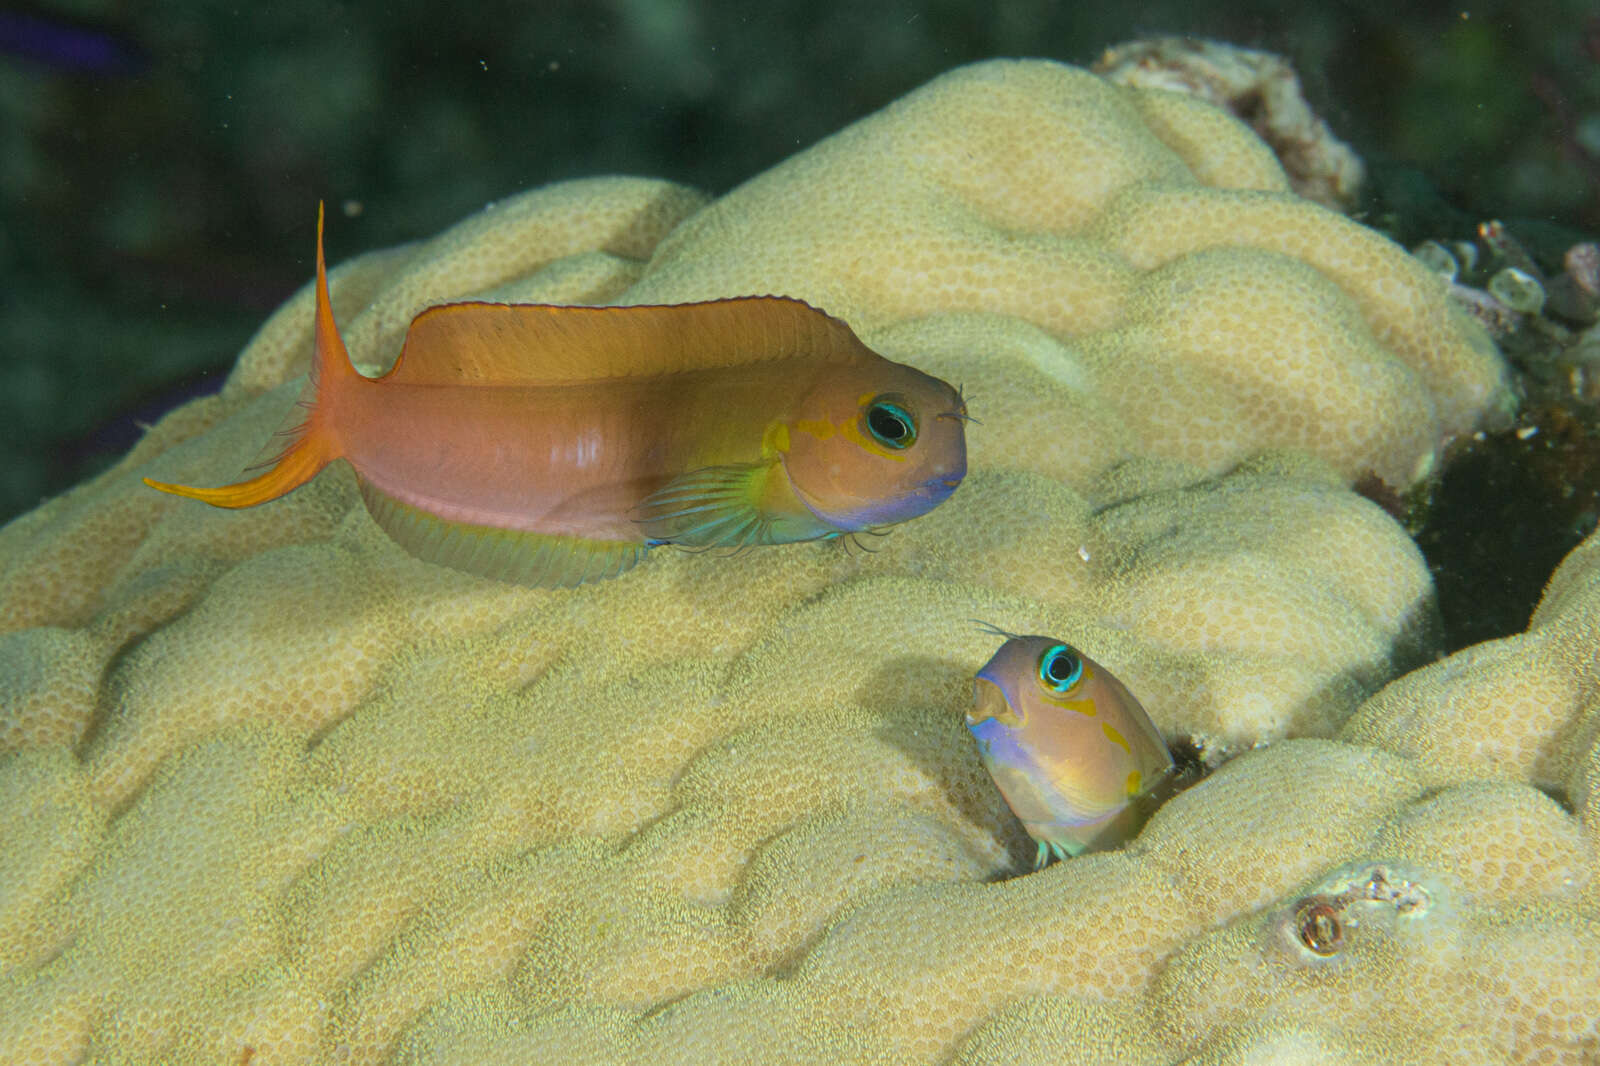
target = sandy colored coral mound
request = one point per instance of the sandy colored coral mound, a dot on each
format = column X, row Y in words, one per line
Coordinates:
column 1522, row 708
column 274, row 790
column 1204, row 307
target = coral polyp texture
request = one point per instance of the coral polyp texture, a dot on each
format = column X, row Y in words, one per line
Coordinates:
column 273, row 791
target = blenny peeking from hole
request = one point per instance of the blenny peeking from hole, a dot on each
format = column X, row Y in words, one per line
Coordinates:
column 1075, row 755
column 551, row 445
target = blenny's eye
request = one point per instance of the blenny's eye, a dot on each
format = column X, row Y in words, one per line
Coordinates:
column 890, row 424
column 1060, row 668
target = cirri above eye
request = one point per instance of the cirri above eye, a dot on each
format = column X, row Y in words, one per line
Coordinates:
column 891, row 425
column 1060, row 668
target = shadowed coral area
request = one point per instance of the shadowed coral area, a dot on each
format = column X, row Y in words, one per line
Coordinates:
column 275, row 790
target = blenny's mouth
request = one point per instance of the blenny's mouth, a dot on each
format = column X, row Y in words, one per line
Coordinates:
column 989, row 703
column 913, row 501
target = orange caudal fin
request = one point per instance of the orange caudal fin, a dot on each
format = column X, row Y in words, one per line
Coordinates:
column 312, row 443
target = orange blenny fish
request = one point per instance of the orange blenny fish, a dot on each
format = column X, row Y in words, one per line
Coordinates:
column 556, row 445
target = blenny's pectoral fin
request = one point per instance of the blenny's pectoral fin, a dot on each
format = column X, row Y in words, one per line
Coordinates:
column 713, row 507
column 512, row 555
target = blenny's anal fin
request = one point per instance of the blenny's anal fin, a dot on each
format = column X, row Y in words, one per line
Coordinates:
column 512, row 555
column 712, row 507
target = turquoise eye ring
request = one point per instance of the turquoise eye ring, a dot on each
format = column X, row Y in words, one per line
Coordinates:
column 890, row 424
column 1060, row 668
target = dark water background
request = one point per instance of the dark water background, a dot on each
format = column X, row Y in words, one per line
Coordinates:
column 160, row 163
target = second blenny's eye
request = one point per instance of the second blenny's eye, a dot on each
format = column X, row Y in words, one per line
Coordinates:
column 1060, row 668
column 891, row 425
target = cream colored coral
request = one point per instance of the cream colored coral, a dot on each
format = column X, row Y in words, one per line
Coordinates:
column 282, row 793
column 1419, row 972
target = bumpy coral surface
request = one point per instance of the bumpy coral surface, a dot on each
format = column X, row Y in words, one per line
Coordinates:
column 276, row 792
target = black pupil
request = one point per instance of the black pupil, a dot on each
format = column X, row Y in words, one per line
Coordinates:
column 886, row 424
column 1060, row 667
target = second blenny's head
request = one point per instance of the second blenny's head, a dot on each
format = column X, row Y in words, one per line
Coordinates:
column 1067, row 744
column 876, row 445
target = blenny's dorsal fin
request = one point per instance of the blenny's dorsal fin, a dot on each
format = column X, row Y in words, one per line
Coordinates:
column 544, row 344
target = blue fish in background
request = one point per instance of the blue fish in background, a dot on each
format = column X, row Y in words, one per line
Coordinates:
column 69, row 46
column 1072, row 751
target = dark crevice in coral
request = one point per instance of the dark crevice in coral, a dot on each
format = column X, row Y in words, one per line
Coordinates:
column 1188, row 764
column 1508, row 507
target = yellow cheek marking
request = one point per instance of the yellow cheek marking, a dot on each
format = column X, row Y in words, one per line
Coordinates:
column 1134, row 781
column 1083, row 707
column 818, row 428
column 775, row 441
column 852, row 432
column 1116, row 737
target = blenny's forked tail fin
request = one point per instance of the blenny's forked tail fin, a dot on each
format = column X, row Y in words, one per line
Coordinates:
column 313, row 443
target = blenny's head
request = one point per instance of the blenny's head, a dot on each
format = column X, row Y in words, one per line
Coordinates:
column 876, row 445
column 1067, row 744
